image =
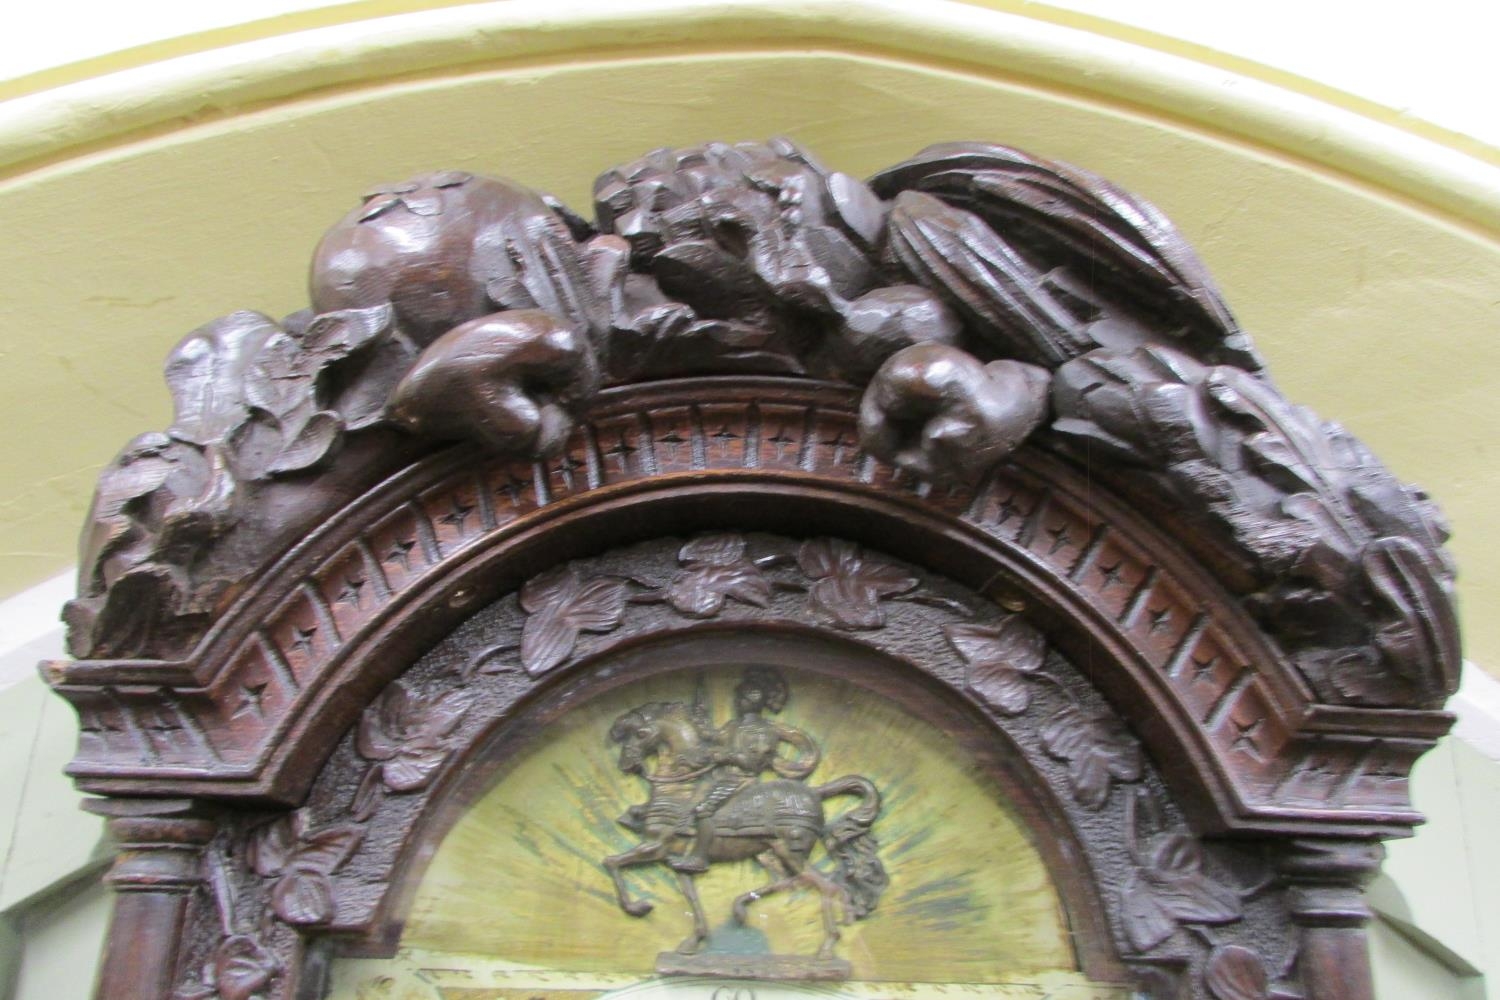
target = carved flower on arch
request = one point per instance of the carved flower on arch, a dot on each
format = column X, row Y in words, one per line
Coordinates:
column 409, row 739
column 849, row 585
column 559, row 608
column 714, row 570
column 419, row 196
column 1000, row 658
column 1097, row 747
column 1169, row 886
column 301, row 861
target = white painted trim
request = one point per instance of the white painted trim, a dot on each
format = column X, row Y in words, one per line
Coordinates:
column 29, row 627
column 66, row 121
column 1477, row 706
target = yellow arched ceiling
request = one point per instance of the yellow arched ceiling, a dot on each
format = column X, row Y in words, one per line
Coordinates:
column 137, row 205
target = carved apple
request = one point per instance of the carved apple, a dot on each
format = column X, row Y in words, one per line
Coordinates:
column 441, row 249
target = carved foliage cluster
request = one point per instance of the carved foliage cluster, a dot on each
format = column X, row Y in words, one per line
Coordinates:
column 1350, row 571
column 976, row 292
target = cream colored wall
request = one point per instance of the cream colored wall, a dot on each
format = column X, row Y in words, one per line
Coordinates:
column 1359, row 247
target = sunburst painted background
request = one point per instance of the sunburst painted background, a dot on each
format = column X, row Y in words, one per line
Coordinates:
column 518, row 879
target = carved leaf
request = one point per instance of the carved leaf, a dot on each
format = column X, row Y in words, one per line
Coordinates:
column 303, row 898
column 1147, row 922
column 700, row 591
column 206, row 373
column 849, row 587
column 1068, row 216
column 1097, row 748
column 310, row 444
column 1000, row 657
column 1425, row 633
column 286, row 845
column 270, row 848
column 1343, row 549
column 1175, row 874
column 716, row 550
column 1236, row 973
column 561, row 607
column 328, row 850
column 409, row 737
column 716, row 569
column 242, row 967
column 1002, row 296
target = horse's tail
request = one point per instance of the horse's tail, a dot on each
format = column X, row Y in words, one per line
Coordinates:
column 851, row 845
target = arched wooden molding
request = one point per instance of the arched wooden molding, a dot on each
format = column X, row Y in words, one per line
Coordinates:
column 1006, row 372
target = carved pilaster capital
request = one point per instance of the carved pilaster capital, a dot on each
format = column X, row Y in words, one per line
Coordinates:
column 1326, row 880
column 159, row 844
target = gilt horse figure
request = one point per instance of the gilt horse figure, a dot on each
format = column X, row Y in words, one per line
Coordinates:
column 777, row 822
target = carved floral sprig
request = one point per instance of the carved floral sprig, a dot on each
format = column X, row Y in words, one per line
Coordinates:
column 560, row 607
column 849, row 585
column 1000, row 658
column 408, row 738
column 1097, row 748
column 715, row 569
column 240, row 966
column 1004, row 663
column 1170, row 886
column 301, row 860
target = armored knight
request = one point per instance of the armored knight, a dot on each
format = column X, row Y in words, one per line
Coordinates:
column 744, row 749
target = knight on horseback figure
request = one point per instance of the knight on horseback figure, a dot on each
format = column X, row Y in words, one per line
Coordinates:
column 742, row 751
column 707, row 789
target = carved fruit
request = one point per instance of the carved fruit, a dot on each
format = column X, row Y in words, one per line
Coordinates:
column 432, row 248
column 509, row 381
column 939, row 413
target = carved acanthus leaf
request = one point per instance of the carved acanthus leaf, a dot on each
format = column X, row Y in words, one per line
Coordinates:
column 1170, row 886
column 1056, row 217
column 1098, row 750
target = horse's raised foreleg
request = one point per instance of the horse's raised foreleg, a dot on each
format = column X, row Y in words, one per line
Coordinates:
column 641, row 854
column 693, row 941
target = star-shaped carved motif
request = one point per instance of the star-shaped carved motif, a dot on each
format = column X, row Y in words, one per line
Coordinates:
column 1008, row 509
column 671, row 441
column 1244, row 740
column 566, row 466
column 1160, row 619
column 1111, row 575
column 780, row 441
column 401, row 552
column 302, row 639
column 621, row 453
column 724, row 438
column 350, row 592
column 1203, row 670
column 250, row 701
column 512, row 488
column 458, row 514
column 1061, row 538
column 838, row 445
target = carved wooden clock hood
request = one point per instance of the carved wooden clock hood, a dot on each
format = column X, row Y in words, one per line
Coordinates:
column 773, row 525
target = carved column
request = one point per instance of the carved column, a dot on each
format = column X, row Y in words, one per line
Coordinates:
column 158, row 865
column 1326, row 880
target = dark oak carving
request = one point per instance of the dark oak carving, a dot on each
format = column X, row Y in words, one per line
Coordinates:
column 1000, row 428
